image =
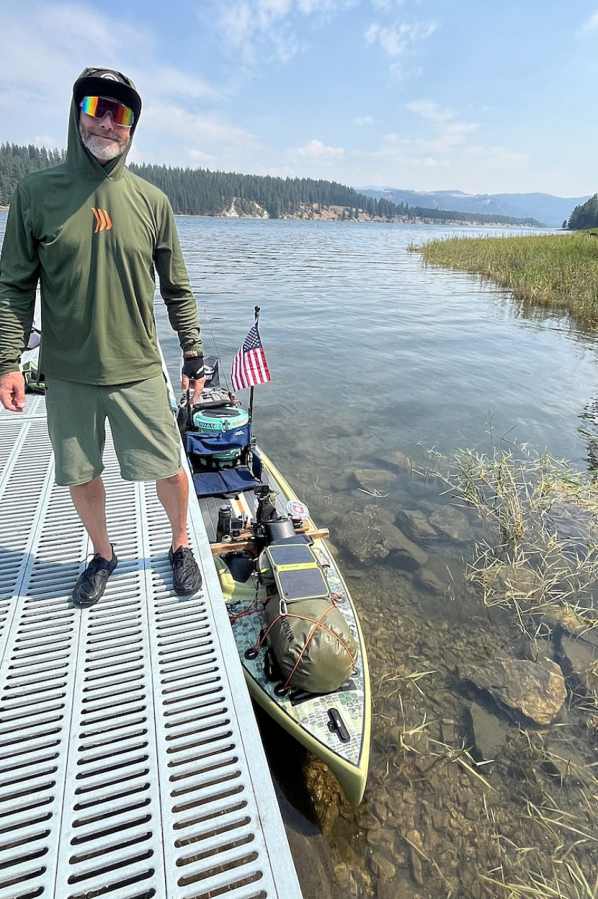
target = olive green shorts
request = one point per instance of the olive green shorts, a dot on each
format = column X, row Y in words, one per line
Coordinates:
column 146, row 438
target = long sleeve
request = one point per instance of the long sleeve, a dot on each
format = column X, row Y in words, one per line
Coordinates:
column 19, row 273
column 174, row 283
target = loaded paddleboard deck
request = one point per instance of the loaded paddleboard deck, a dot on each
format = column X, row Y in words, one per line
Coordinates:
column 283, row 588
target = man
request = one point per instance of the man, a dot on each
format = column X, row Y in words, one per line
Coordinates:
column 94, row 235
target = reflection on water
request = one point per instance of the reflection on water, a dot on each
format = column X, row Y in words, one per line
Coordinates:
column 588, row 431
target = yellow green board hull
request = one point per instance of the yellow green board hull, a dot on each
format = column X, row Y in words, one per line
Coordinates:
column 307, row 719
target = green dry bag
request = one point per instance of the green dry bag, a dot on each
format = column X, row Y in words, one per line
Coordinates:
column 310, row 638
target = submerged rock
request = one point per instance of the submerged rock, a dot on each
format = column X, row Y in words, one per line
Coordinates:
column 396, row 459
column 564, row 762
column 580, row 658
column 536, row 689
column 382, row 866
column 342, row 875
column 371, row 535
column 451, row 522
column 489, row 733
column 449, row 734
column 374, row 479
column 561, row 616
column 533, row 649
column 415, row 524
column 430, row 581
column 415, row 854
column 516, row 581
column 343, row 481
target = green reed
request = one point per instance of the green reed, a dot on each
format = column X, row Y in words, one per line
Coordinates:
column 557, row 271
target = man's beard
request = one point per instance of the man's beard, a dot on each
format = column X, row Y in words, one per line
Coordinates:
column 100, row 148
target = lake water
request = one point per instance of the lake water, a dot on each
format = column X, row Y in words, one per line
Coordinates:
column 370, row 354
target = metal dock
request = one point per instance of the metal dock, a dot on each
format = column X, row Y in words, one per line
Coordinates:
column 130, row 761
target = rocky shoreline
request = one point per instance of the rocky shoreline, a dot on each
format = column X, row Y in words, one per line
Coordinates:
column 485, row 700
column 337, row 214
column 321, row 213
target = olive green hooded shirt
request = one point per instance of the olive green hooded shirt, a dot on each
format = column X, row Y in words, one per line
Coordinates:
column 94, row 237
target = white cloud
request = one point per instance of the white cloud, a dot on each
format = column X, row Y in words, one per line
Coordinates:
column 276, row 171
column 447, row 151
column 169, row 82
column 259, row 30
column 450, row 133
column 308, row 7
column 243, row 20
column 255, row 24
column 317, row 148
column 396, row 41
column 387, row 5
column 366, row 120
column 429, row 110
column 199, row 156
column 43, row 140
column 237, row 24
column 498, row 158
column 194, row 139
column 182, row 123
column 591, row 24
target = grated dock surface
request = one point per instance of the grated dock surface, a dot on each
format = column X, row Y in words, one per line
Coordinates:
column 130, row 761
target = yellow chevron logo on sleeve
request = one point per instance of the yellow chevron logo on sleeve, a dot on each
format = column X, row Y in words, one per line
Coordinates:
column 103, row 220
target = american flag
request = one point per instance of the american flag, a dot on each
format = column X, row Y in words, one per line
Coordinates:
column 249, row 365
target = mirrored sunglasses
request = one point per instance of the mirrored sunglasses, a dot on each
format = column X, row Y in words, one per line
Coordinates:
column 99, row 106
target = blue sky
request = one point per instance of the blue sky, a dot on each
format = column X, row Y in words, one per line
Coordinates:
column 417, row 94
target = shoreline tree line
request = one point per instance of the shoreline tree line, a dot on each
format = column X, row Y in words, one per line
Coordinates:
column 583, row 216
column 204, row 192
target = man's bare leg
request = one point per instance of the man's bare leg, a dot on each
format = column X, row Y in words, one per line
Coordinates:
column 90, row 502
column 173, row 493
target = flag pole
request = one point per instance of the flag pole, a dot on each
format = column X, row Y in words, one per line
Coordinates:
column 256, row 312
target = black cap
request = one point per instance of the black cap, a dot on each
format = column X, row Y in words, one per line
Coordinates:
column 108, row 83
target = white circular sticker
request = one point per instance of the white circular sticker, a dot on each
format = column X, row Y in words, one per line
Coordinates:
column 297, row 510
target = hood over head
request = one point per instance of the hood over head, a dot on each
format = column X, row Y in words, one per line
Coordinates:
column 100, row 82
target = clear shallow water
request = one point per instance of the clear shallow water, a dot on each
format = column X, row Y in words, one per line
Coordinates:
column 371, row 353
column 351, row 320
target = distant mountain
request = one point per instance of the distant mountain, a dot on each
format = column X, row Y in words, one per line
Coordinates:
column 552, row 211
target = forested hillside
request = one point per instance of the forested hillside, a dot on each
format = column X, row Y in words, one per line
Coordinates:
column 16, row 162
column 202, row 192
column 584, row 216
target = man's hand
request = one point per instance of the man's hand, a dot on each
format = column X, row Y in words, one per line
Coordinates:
column 193, row 374
column 12, row 391
column 197, row 387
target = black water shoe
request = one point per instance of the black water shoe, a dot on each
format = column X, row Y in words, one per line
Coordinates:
column 186, row 574
column 92, row 583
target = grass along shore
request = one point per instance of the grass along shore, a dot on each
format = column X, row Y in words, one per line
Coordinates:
column 557, row 271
